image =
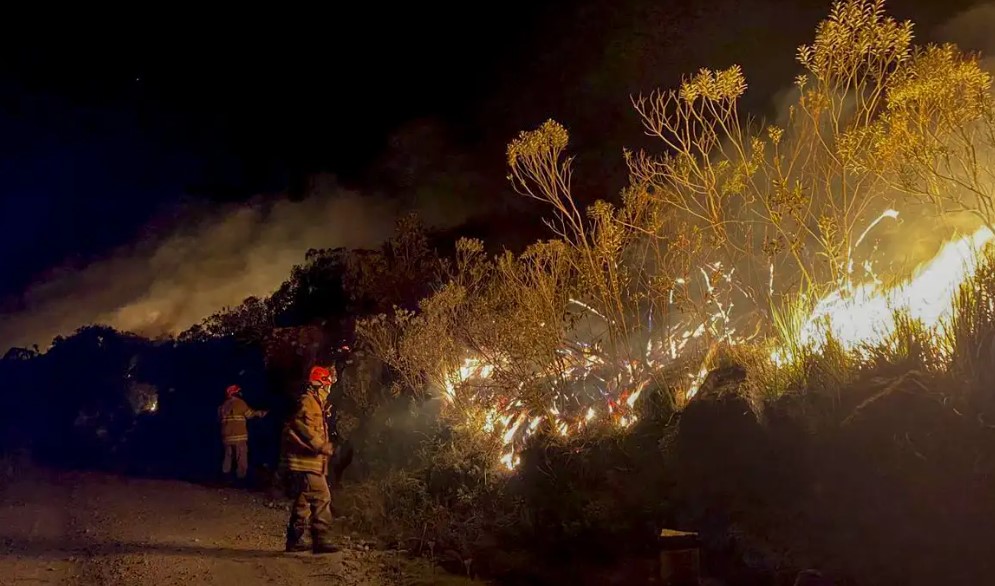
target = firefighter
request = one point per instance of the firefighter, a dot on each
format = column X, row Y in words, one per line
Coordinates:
column 306, row 449
column 232, row 415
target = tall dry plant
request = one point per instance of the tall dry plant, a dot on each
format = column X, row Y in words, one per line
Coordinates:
column 734, row 218
column 632, row 263
column 506, row 313
column 786, row 204
column 937, row 139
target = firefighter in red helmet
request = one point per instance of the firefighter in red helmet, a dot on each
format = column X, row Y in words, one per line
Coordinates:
column 232, row 416
column 306, row 449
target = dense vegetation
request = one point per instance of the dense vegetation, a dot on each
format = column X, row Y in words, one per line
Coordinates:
column 518, row 414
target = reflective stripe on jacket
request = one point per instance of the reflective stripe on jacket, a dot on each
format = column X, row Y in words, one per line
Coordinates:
column 232, row 415
column 303, row 437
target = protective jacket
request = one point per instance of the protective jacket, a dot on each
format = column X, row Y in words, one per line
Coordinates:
column 305, row 437
column 233, row 414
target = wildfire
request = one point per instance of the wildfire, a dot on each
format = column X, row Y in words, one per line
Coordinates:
column 596, row 387
column 863, row 316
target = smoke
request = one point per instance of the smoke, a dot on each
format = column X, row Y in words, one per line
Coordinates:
column 971, row 30
column 189, row 266
column 920, row 229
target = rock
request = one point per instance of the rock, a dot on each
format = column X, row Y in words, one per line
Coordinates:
column 720, row 445
column 722, row 381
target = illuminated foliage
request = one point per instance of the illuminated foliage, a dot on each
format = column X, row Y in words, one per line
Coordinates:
column 738, row 234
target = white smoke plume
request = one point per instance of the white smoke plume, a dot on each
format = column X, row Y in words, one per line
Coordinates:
column 919, row 231
column 971, row 30
column 206, row 260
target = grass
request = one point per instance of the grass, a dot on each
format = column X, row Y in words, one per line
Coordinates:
column 892, row 426
column 972, row 328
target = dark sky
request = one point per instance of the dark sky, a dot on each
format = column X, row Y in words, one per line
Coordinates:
column 104, row 124
column 107, row 123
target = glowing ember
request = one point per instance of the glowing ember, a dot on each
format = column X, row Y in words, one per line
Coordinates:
column 594, row 385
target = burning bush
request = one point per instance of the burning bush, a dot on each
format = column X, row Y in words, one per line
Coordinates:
column 774, row 247
column 857, row 421
column 737, row 235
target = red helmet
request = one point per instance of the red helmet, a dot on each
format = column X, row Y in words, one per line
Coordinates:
column 233, row 390
column 320, row 375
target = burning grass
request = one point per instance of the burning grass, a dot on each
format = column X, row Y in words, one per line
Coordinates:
column 797, row 447
column 831, row 424
column 928, row 322
column 737, row 240
column 769, row 247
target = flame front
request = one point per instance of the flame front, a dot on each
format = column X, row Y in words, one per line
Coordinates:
column 863, row 316
column 858, row 316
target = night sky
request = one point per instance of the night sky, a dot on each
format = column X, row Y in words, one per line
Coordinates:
column 108, row 125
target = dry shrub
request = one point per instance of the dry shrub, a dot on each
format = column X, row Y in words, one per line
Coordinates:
column 874, row 452
column 442, row 495
column 972, row 332
column 785, row 208
column 579, row 497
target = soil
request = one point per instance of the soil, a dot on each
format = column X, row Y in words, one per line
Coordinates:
column 89, row 528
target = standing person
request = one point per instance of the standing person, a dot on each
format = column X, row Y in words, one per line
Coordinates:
column 232, row 415
column 306, row 448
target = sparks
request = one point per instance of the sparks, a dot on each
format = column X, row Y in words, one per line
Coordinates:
column 595, row 384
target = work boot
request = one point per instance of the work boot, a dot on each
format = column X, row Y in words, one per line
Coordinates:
column 295, row 540
column 320, row 548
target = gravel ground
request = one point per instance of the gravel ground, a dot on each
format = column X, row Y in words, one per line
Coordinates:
column 88, row 528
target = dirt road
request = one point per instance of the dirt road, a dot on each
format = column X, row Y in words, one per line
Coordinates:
column 86, row 528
